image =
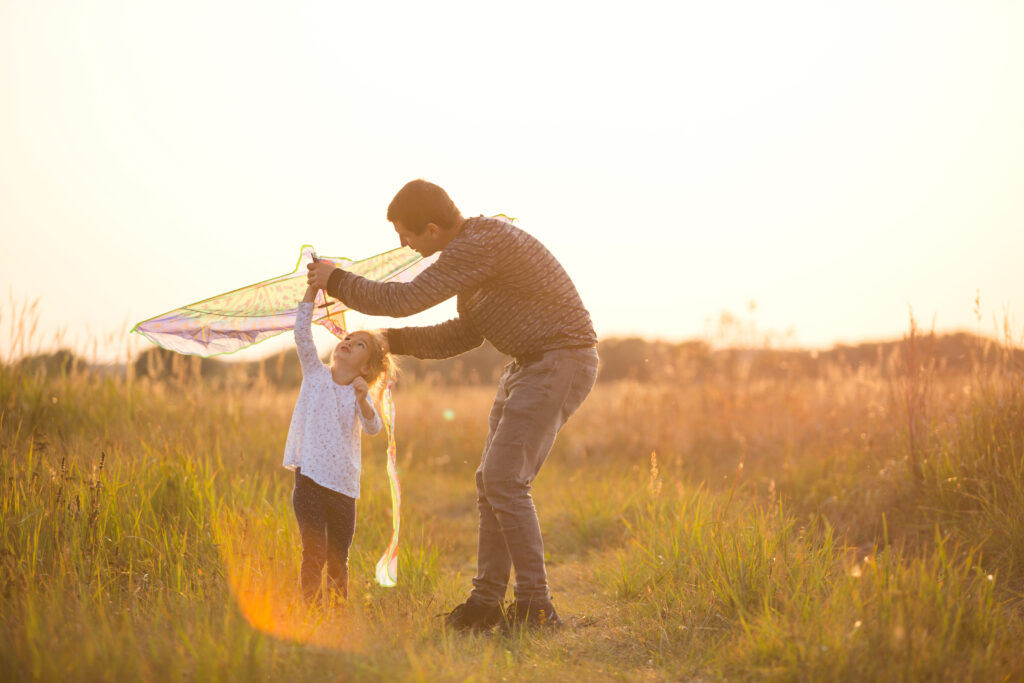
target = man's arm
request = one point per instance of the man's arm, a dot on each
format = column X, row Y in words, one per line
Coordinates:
column 434, row 341
column 462, row 265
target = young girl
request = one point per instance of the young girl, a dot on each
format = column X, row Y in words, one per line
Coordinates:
column 323, row 446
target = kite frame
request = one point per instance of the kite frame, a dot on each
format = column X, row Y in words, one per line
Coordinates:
column 338, row 261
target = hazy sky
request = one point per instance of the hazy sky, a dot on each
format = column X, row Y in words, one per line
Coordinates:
column 832, row 162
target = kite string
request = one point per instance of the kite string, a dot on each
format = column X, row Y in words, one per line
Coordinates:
column 387, row 566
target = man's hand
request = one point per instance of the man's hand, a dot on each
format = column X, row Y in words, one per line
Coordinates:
column 319, row 273
column 361, row 388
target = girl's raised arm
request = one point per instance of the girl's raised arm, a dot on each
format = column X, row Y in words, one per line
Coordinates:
column 304, row 335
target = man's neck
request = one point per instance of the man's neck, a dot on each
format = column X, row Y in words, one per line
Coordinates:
column 448, row 235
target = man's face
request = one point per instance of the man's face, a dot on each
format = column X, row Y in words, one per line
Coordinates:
column 426, row 243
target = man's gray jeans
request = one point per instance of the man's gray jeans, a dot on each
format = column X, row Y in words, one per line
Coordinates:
column 533, row 401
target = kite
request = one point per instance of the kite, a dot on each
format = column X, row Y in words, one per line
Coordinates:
column 240, row 318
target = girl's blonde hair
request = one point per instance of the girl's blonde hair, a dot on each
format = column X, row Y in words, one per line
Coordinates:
column 382, row 366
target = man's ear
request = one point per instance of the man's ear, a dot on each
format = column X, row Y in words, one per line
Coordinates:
column 433, row 229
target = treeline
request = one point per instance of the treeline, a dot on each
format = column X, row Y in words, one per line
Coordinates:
column 621, row 359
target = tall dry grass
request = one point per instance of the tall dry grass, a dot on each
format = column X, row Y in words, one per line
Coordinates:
column 867, row 523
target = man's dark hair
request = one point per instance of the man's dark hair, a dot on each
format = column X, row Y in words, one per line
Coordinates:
column 419, row 203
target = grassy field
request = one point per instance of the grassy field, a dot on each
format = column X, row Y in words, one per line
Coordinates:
column 866, row 524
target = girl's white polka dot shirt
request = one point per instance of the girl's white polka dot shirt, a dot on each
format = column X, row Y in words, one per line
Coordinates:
column 324, row 435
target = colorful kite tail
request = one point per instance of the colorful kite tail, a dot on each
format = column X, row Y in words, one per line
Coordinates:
column 387, row 566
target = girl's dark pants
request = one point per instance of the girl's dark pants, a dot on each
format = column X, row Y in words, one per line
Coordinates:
column 327, row 522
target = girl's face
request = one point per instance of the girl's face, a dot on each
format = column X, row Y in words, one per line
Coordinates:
column 353, row 352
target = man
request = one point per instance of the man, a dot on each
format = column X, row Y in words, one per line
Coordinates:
column 512, row 292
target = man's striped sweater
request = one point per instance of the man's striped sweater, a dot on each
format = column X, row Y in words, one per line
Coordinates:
column 511, row 291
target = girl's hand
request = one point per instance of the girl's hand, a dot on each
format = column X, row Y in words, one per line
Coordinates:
column 361, row 388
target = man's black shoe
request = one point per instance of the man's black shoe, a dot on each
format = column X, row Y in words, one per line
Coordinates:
column 532, row 614
column 470, row 616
